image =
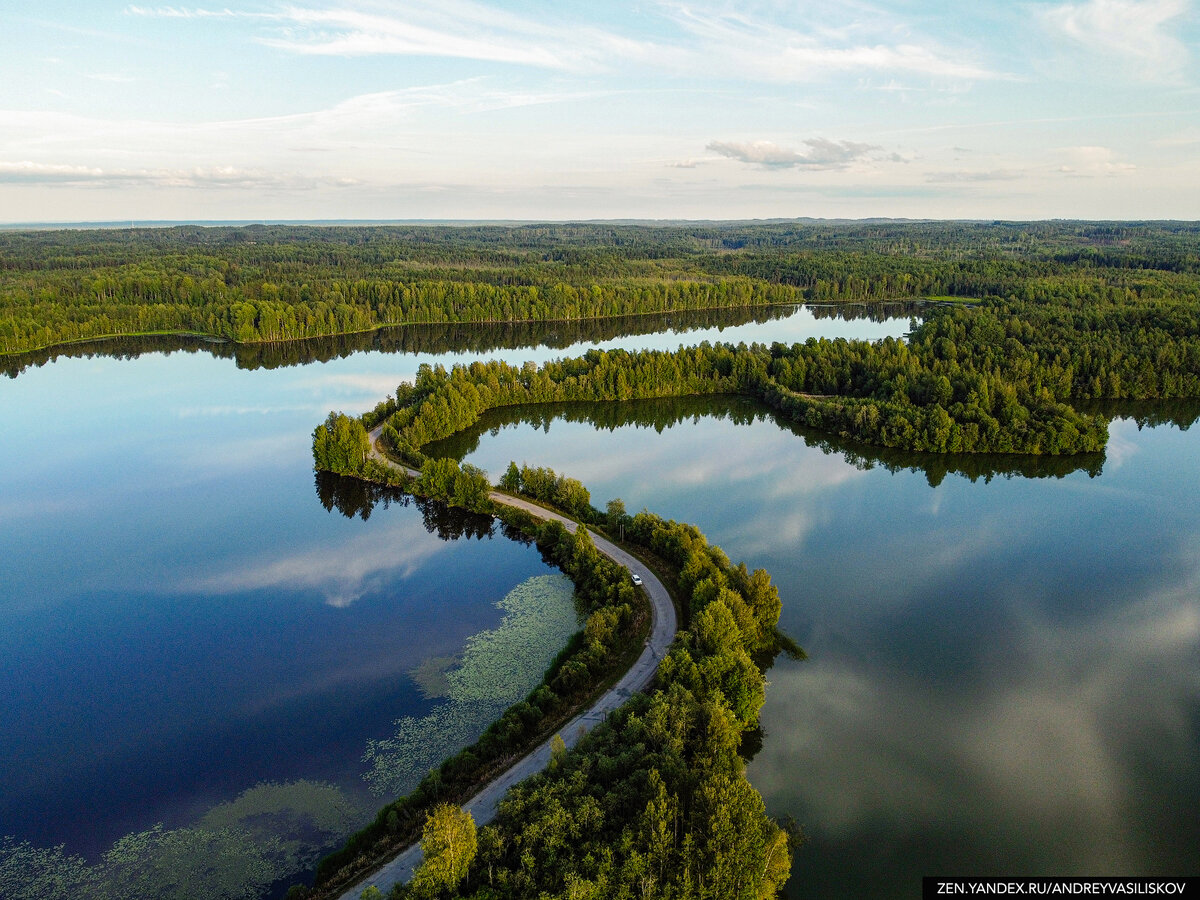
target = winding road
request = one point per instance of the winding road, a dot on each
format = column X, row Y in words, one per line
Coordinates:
column 483, row 806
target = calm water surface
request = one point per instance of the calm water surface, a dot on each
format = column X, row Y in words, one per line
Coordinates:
column 1004, row 672
column 181, row 616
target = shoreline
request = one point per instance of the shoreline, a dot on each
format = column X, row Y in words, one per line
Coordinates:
column 484, row 805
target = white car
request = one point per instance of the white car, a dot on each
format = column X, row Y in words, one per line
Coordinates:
column 637, row 579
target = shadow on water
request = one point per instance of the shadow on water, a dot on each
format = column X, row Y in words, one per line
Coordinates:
column 669, row 412
column 355, row 498
column 480, row 337
column 1181, row 413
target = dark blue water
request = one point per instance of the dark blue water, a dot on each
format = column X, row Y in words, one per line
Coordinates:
column 182, row 617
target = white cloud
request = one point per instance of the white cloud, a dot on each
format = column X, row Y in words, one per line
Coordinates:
column 354, row 122
column 343, row 573
column 821, row 153
column 178, row 12
column 1093, row 162
column 28, row 172
column 968, row 176
column 707, row 42
column 1121, row 445
column 1138, row 31
column 1030, row 738
column 746, row 48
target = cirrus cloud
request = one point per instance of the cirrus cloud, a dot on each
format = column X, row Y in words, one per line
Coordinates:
column 49, row 174
column 1137, row 31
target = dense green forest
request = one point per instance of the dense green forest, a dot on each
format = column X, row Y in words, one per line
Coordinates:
column 1003, row 374
column 998, row 377
column 278, row 283
column 439, row 338
column 1061, row 313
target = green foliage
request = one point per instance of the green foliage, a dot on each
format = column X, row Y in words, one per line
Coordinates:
column 448, row 845
column 279, row 283
column 341, row 445
column 999, row 376
column 290, row 283
column 511, row 480
column 464, row 486
column 887, row 393
column 656, row 803
column 616, row 518
column 561, row 492
column 558, row 751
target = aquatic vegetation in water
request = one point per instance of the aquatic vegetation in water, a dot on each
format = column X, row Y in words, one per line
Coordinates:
column 506, row 664
column 189, row 862
column 498, row 668
column 296, row 805
column 43, row 873
column 418, row 745
column 430, row 676
column 235, row 852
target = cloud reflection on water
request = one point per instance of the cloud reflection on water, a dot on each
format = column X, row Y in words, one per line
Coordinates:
column 343, row 573
column 1003, row 670
column 1015, row 752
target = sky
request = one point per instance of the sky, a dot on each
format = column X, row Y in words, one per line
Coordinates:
column 598, row 109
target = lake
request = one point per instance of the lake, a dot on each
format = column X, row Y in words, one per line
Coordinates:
column 197, row 632
column 1004, row 671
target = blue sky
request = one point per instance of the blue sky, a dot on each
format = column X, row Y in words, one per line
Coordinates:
column 456, row 109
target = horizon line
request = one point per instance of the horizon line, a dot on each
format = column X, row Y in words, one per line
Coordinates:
column 131, row 224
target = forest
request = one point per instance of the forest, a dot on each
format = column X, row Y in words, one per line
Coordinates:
column 1000, row 376
column 1059, row 314
column 669, row 412
column 439, row 338
column 264, row 283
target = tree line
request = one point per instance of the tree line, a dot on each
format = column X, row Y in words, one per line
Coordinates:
column 281, row 283
column 1000, row 376
column 436, row 338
